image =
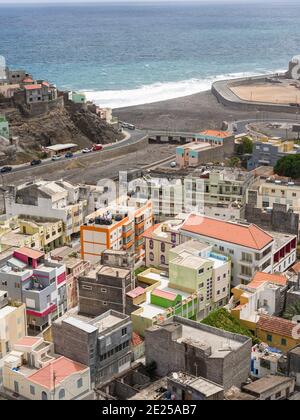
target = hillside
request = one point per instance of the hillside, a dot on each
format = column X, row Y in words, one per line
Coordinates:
column 61, row 125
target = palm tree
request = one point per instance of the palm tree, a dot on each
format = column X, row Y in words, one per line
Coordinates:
column 292, row 311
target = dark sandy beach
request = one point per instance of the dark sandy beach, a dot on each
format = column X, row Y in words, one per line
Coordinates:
column 190, row 113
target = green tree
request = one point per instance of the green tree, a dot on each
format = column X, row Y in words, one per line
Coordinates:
column 245, row 147
column 288, row 166
column 292, row 311
column 234, row 162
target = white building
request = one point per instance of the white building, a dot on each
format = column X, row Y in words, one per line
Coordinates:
column 250, row 248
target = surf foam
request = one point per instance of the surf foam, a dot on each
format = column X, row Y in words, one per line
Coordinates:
column 160, row 91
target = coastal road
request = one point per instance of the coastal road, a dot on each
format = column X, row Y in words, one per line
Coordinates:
column 242, row 125
column 130, row 138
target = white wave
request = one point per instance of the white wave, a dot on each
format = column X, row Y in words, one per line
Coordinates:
column 160, row 91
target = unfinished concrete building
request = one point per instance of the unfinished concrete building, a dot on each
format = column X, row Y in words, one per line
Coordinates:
column 188, row 346
column 104, row 288
column 102, row 343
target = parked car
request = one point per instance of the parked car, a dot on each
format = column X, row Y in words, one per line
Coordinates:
column 69, row 155
column 6, row 169
column 97, row 147
column 173, row 164
column 56, row 157
column 35, row 162
column 86, row 150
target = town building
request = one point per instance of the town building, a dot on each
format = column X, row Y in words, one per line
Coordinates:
column 265, row 361
column 31, row 232
column 103, row 288
column 213, row 191
column 284, row 251
column 77, row 97
column 186, row 387
column 159, row 240
column 271, row 387
column 198, row 282
column 102, row 343
column 4, row 127
column 268, row 153
column 281, row 218
column 28, row 277
column 75, row 267
column 294, row 364
column 278, row 332
column 12, row 323
column 264, row 193
column 120, row 259
column 188, row 346
column 118, row 228
column 190, row 155
column 265, row 294
column 249, row 247
column 32, row 372
column 55, row 200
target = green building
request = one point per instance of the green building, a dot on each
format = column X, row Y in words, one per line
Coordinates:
column 77, row 97
column 4, row 127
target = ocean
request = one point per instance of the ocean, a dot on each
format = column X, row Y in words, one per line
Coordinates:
column 124, row 54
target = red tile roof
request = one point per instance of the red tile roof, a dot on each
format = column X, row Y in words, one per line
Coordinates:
column 164, row 295
column 46, row 84
column 136, row 339
column 149, row 232
column 276, row 325
column 216, row 133
column 32, row 87
column 261, row 278
column 28, row 341
column 28, row 80
column 136, row 292
column 61, row 367
column 30, row 253
column 249, row 236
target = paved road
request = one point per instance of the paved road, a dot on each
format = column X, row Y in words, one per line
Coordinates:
column 131, row 138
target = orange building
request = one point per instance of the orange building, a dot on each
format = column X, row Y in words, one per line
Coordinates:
column 116, row 228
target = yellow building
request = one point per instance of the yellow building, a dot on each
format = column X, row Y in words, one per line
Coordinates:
column 12, row 323
column 278, row 332
column 34, row 233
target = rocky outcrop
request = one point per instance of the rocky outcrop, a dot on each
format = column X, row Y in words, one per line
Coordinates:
column 60, row 125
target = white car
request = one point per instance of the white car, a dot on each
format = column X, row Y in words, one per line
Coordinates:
column 173, row 164
column 56, row 157
column 86, row 150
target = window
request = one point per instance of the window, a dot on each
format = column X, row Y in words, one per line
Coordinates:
column 61, row 394
column 151, row 244
column 103, row 290
column 269, row 338
column 278, row 395
column 44, row 396
column 80, row 383
column 201, row 271
column 124, row 332
column 163, row 247
column 32, row 390
column 283, row 342
column 163, row 260
column 84, row 287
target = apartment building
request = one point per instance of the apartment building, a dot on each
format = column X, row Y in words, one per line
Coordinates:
column 265, row 294
column 12, row 323
column 271, row 388
column 104, row 288
column 198, row 282
column 265, row 361
column 212, row 191
column 159, row 240
column 268, row 153
column 284, row 252
column 180, row 344
column 58, row 200
column 249, row 247
column 36, row 233
column 189, row 155
column 27, row 276
column 118, row 228
column 75, row 267
column 32, row 372
column 102, row 343
column 264, row 193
